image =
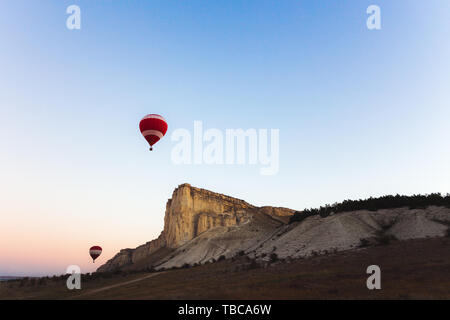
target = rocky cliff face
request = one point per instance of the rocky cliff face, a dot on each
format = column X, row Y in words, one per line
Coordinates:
column 201, row 226
column 189, row 213
column 192, row 211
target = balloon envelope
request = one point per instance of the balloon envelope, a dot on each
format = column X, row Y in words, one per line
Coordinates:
column 153, row 127
column 95, row 252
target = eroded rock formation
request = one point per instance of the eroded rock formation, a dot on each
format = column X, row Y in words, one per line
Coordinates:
column 202, row 226
column 190, row 212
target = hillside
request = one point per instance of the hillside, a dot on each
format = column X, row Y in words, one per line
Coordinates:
column 411, row 269
column 194, row 215
column 201, row 226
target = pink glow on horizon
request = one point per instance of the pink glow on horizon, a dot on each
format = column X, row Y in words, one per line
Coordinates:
column 40, row 246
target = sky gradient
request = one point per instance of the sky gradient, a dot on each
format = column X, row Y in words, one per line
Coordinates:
column 361, row 113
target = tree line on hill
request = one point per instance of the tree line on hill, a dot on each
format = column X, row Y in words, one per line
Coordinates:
column 374, row 204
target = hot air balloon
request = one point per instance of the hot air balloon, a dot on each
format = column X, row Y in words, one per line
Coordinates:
column 95, row 252
column 153, row 127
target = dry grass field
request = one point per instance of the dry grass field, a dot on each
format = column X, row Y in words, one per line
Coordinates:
column 415, row 269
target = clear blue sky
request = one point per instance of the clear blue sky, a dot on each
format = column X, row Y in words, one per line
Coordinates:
column 361, row 113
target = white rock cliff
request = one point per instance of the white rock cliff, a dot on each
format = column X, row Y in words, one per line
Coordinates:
column 201, row 226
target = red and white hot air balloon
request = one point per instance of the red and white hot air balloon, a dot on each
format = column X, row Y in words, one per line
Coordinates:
column 153, row 127
column 95, row 252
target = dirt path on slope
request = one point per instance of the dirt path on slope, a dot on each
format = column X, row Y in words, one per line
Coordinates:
column 116, row 285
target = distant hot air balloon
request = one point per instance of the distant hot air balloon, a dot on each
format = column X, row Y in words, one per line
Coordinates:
column 95, row 252
column 153, row 127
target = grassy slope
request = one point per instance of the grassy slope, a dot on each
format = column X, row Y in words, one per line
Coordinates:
column 410, row 270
